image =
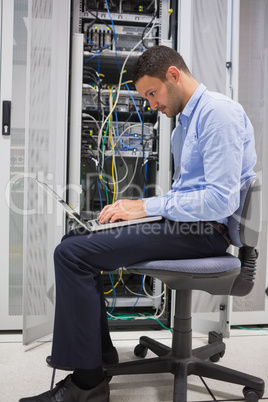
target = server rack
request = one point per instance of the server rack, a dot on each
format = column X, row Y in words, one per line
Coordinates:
column 120, row 134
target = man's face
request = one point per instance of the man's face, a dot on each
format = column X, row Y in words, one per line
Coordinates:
column 163, row 96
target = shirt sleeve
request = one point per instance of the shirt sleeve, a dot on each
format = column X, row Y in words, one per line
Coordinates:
column 214, row 195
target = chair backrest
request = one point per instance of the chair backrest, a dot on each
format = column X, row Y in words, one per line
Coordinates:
column 244, row 229
column 244, row 225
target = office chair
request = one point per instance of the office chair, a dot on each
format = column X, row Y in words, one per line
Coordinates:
column 225, row 275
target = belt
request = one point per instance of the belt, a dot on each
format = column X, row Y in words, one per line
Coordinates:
column 222, row 230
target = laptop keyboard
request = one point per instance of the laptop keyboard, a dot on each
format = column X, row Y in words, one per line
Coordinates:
column 93, row 222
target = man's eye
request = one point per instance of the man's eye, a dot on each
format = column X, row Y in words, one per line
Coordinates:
column 152, row 93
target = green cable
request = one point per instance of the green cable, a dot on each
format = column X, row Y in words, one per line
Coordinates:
column 152, row 318
column 106, row 191
column 250, row 329
column 126, row 317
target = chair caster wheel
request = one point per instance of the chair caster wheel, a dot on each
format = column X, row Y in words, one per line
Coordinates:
column 251, row 395
column 140, row 351
column 216, row 357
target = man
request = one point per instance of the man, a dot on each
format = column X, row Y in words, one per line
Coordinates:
column 214, row 154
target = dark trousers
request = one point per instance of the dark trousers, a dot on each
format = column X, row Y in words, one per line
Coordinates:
column 80, row 313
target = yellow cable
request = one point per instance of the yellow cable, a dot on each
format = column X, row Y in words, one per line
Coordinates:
column 120, row 277
column 112, row 145
column 125, row 82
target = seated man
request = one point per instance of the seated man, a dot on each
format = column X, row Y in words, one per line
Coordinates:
column 214, row 154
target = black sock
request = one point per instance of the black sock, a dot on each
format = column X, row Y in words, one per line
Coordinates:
column 87, row 379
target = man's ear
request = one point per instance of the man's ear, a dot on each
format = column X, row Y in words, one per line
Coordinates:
column 173, row 74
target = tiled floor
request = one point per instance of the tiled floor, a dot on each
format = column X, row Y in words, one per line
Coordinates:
column 24, row 372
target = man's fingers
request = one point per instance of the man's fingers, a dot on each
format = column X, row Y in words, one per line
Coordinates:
column 107, row 213
column 122, row 209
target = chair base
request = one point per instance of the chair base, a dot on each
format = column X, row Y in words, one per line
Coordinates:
column 166, row 362
column 181, row 360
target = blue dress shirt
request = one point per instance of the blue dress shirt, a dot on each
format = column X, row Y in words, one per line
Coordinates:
column 214, row 154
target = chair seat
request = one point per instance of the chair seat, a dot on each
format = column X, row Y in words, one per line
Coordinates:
column 209, row 265
column 201, row 273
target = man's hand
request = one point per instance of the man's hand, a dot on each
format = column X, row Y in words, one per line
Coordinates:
column 123, row 210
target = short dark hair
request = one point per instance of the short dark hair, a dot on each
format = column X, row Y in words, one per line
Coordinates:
column 156, row 61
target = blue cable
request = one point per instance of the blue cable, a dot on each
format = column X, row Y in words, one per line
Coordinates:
column 138, row 113
column 126, row 146
column 116, row 120
column 118, row 64
column 137, row 138
column 97, row 54
column 114, row 34
column 117, row 133
column 139, row 294
column 85, row 36
column 98, row 184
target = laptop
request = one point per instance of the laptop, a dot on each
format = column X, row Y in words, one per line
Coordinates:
column 93, row 225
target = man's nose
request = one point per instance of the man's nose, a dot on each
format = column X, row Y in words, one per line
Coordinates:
column 153, row 105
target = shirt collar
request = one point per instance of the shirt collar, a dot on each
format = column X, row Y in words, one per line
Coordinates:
column 191, row 104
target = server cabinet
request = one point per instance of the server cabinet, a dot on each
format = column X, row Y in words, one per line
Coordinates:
column 124, row 146
column 34, row 78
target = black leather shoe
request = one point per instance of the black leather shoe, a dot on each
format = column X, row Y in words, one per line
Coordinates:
column 110, row 357
column 67, row 391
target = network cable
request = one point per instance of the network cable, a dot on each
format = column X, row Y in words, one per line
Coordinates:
column 97, row 53
column 99, row 190
column 109, row 121
column 121, row 76
column 123, row 132
column 117, row 283
column 139, row 295
column 113, row 134
column 118, row 92
column 142, row 316
column 118, row 64
column 147, row 294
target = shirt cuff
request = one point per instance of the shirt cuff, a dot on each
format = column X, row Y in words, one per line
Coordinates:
column 153, row 206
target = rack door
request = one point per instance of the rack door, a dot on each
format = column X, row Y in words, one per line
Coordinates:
column 34, row 79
